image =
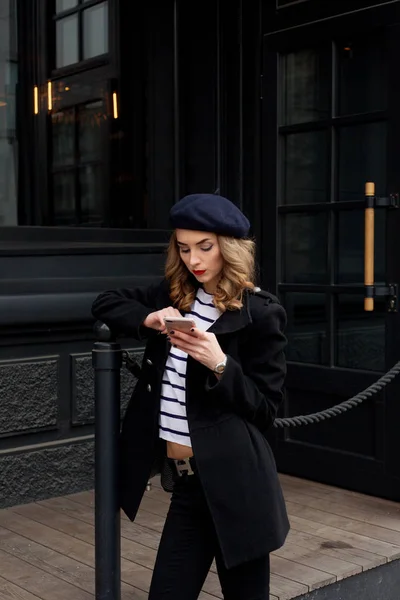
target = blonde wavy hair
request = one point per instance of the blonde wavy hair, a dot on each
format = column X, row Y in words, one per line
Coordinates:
column 237, row 275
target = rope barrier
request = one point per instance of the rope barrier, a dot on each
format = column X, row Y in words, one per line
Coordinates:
column 338, row 409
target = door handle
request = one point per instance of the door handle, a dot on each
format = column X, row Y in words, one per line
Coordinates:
column 372, row 291
column 369, row 245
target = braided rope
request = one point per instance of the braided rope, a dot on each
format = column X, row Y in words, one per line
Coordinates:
column 338, row 409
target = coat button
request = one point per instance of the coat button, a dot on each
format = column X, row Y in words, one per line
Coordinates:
column 149, row 362
column 148, row 387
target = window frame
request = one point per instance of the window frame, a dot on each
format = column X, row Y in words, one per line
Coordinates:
column 82, row 64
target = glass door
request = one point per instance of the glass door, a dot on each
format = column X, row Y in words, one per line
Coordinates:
column 79, row 123
column 333, row 122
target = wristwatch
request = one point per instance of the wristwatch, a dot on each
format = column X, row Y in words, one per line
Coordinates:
column 220, row 367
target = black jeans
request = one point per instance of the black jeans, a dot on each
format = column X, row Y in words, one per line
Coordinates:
column 187, row 548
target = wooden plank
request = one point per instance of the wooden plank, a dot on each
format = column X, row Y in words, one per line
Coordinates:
column 337, row 549
column 67, row 545
column 38, row 582
column 308, row 576
column 392, row 538
column 129, row 530
column 51, row 561
column 308, row 557
column 150, row 520
column 83, row 551
column 137, row 562
column 368, row 560
column 321, row 516
column 286, row 589
column 327, row 491
column 83, row 497
column 355, row 540
column 10, row 591
column 360, row 508
column 135, row 551
column 155, row 501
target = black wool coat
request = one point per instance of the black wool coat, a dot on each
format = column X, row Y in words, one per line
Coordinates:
column 228, row 418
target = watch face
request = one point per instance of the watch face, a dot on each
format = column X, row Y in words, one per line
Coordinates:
column 220, row 367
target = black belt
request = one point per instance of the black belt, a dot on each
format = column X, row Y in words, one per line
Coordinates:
column 184, row 466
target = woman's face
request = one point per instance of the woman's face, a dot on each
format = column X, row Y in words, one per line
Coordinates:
column 202, row 256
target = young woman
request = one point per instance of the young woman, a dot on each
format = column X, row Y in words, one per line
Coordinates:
column 204, row 403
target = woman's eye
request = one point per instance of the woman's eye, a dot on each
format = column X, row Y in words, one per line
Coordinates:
column 207, row 249
column 184, row 251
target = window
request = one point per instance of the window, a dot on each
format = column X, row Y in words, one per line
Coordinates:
column 77, row 165
column 96, row 149
column 8, row 135
column 333, row 138
column 81, row 30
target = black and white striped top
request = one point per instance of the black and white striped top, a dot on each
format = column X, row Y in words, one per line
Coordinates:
column 173, row 425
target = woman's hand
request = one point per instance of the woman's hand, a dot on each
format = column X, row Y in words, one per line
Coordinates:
column 155, row 320
column 200, row 345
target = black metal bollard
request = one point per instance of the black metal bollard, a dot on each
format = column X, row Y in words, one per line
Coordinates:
column 107, row 361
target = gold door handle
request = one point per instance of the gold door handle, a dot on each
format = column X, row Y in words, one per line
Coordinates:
column 369, row 244
column 372, row 290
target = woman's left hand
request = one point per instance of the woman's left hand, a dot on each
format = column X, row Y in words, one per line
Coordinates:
column 200, row 345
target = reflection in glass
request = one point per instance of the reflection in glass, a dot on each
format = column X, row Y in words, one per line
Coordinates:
column 91, row 118
column 360, row 335
column 67, row 41
column 362, row 157
column 306, row 86
column 62, row 5
column 306, row 177
column 8, row 129
column 90, row 183
column 63, row 138
column 305, row 247
column 95, row 30
column 64, row 198
column 306, row 328
column 351, row 246
column 362, row 75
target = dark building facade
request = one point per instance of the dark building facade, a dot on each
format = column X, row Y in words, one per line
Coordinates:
column 112, row 110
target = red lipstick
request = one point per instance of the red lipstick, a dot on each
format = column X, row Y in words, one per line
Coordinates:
column 199, row 272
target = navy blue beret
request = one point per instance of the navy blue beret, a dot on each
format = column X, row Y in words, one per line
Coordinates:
column 209, row 212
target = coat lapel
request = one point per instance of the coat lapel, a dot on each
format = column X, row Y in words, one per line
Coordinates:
column 232, row 320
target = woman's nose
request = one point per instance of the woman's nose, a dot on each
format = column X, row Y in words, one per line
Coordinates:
column 194, row 260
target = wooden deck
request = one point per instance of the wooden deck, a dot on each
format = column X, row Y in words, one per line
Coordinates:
column 47, row 548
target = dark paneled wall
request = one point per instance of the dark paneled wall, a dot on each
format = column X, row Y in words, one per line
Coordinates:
column 31, row 391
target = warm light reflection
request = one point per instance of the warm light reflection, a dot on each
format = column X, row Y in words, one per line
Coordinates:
column 50, row 95
column 67, row 88
column 36, row 100
column 115, row 105
column 3, row 103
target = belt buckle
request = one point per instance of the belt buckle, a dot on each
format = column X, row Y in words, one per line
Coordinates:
column 183, row 466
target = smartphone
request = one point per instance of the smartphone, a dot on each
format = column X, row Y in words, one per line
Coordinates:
column 179, row 323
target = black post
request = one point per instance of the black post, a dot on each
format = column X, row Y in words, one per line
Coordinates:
column 107, row 361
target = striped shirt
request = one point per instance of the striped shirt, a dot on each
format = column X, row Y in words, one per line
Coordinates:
column 173, row 425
